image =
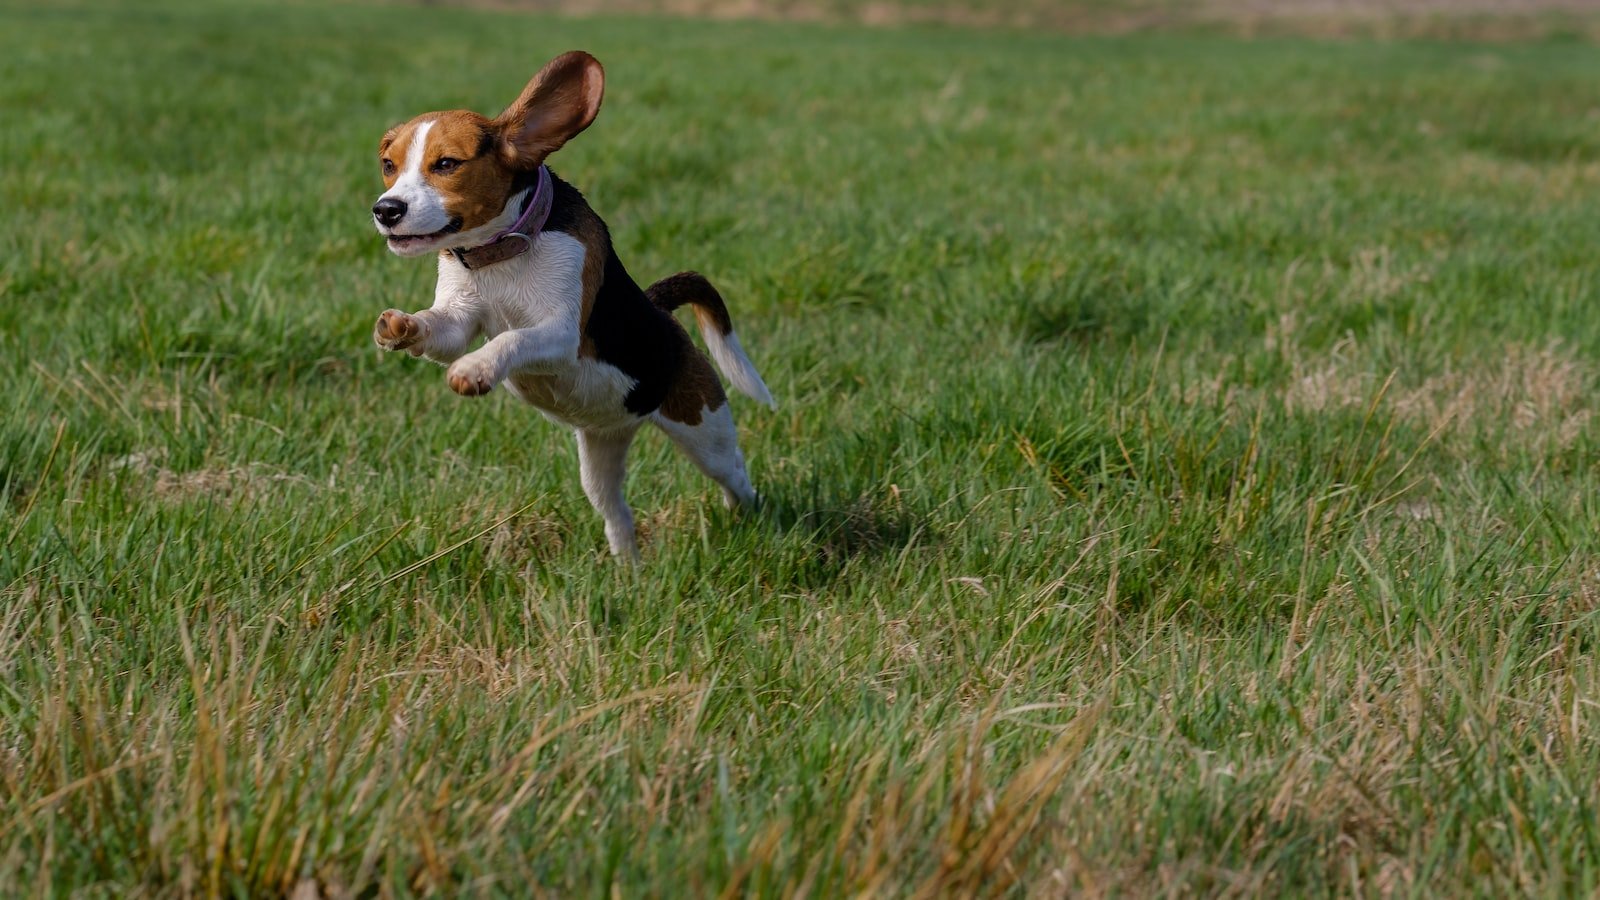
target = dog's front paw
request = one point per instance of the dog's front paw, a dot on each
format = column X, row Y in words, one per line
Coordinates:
column 471, row 377
column 398, row 331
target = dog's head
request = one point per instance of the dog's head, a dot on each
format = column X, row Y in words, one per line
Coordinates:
column 455, row 179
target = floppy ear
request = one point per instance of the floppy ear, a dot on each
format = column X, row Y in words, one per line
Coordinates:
column 558, row 103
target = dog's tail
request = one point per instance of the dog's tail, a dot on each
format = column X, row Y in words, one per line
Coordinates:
column 693, row 289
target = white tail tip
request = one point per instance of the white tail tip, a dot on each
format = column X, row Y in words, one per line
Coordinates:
column 730, row 357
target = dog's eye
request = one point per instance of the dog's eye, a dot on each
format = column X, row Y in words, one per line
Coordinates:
column 388, row 167
column 446, row 164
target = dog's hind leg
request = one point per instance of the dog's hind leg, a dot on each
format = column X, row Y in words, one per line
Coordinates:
column 602, row 461
column 714, row 446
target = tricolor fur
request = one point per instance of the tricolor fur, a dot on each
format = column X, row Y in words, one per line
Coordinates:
column 564, row 326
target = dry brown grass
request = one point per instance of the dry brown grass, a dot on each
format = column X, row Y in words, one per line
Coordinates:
column 222, row 483
column 1539, row 398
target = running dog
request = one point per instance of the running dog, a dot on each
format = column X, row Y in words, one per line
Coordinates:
column 527, row 266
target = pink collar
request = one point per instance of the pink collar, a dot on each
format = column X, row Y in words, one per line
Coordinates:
column 517, row 239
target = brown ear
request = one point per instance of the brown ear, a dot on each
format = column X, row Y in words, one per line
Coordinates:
column 558, row 103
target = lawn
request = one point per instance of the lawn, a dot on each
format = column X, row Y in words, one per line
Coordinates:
column 1184, row 479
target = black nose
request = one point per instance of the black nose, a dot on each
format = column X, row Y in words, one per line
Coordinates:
column 389, row 211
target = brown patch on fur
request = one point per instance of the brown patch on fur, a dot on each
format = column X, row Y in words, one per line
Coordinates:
column 693, row 289
column 394, row 148
column 709, row 318
column 558, row 103
column 591, row 233
column 476, row 190
column 493, row 158
column 696, row 391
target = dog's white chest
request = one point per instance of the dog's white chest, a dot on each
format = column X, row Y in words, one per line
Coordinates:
column 533, row 291
column 540, row 286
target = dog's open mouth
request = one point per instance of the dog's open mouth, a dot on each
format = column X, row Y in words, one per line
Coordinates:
column 404, row 241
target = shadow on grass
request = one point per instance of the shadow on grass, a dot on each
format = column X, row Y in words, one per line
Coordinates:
column 836, row 531
column 1099, row 301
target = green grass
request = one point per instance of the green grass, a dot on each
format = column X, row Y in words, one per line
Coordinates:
column 1388, row 19
column 1184, row 480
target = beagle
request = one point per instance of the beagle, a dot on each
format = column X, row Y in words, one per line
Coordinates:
column 525, row 264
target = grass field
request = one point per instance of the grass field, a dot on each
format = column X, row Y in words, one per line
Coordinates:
column 1184, row 479
column 1432, row 19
